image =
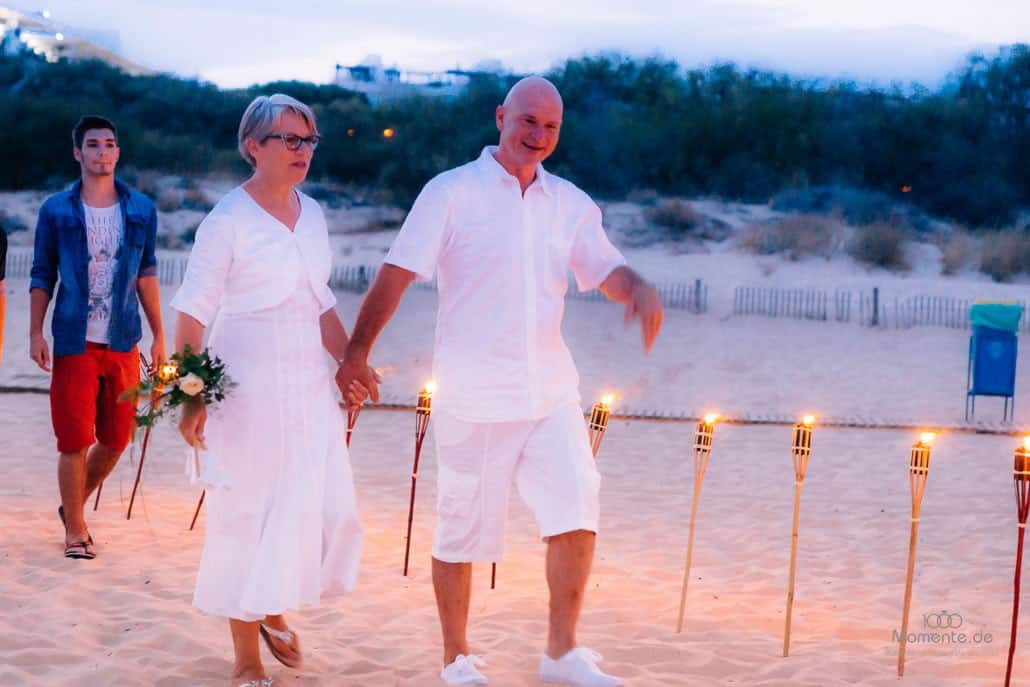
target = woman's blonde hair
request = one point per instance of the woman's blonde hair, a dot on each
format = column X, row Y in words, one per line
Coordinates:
column 262, row 117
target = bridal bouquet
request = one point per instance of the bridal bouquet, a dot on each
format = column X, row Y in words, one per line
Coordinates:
column 184, row 377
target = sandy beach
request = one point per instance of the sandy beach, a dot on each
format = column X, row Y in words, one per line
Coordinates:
column 126, row 618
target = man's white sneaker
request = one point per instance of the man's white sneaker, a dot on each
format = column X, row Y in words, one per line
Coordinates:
column 578, row 668
column 464, row 671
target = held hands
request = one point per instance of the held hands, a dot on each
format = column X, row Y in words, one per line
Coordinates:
column 357, row 381
column 645, row 304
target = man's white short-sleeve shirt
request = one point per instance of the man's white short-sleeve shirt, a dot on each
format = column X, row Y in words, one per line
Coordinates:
column 502, row 260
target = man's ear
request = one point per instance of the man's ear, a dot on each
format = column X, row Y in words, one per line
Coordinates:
column 499, row 117
column 77, row 154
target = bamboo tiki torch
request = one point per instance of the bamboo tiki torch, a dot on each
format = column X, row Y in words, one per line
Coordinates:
column 1021, row 474
column 801, row 449
column 702, row 452
column 599, row 416
column 423, row 409
column 918, row 473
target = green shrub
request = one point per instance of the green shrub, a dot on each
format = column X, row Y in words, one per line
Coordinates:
column 795, row 236
column 676, row 215
column 880, row 244
column 10, row 224
column 168, row 200
column 958, row 250
column 1006, row 254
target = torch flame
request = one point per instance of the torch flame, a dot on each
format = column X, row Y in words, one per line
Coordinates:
column 711, row 418
column 808, row 420
column 168, row 371
column 1026, row 442
column 607, row 399
column 430, row 387
column 926, row 438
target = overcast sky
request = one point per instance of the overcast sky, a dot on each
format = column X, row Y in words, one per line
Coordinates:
column 240, row 42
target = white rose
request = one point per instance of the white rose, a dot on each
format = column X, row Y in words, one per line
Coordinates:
column 191, row 384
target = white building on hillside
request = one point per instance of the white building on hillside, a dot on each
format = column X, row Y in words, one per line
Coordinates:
column 381, row 83
column 40, row 34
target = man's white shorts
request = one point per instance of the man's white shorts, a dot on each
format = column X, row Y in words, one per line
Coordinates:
column 550, row 461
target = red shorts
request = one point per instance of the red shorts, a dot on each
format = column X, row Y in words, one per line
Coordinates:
column 84, row 403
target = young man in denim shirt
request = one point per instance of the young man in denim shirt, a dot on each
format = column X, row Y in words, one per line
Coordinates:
column 98, row 239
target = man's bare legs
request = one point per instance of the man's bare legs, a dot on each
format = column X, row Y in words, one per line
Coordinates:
column 78, row 475
column 99, row 464
column 569, row 557
column 452, row 583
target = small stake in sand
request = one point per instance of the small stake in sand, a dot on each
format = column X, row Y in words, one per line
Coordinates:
column 196, row 468
column 352, row 419
column 145, row 372
column 919, row 471
column 139, row 472
column 423, row 409
column 1022, row 478
column 599, row 415
column 801, row 448
column 168, row 372
column 702, row 452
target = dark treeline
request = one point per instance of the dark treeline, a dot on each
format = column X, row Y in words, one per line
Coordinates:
column 962, row 151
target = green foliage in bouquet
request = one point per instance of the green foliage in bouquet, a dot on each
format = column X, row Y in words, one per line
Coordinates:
column 186, row 377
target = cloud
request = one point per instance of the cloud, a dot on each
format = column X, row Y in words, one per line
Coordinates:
column 237, row 42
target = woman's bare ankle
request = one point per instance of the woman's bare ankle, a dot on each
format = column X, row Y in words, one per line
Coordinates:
column 276, row 622
column 250, row 672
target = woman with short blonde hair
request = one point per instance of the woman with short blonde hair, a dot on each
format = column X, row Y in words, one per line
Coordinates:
column 282, row 526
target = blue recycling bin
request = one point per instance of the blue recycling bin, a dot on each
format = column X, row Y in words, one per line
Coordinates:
column 992, row 355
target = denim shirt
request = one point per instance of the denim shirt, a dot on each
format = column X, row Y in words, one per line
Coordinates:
column 61, row 251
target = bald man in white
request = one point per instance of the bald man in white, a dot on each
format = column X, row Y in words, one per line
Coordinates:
column 502, row 235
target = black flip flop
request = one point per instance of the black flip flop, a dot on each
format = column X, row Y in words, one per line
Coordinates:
column 60, row 514
column 73, row 551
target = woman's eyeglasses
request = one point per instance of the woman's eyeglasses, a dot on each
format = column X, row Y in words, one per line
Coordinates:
column 294, row 142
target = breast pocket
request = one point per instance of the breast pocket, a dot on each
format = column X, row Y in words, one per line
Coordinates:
column 132, row 246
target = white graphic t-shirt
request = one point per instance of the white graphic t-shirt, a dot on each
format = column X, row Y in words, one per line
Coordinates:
column 104, row 237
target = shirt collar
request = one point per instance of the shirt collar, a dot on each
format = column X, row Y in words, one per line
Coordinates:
column 491, row 167
column 129, row 208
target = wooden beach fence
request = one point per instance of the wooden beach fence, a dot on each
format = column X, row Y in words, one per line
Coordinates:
column 19, row 263
column 799, row 304
column 866, row 307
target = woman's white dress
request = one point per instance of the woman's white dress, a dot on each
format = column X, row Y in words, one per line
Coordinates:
column 281, row 523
